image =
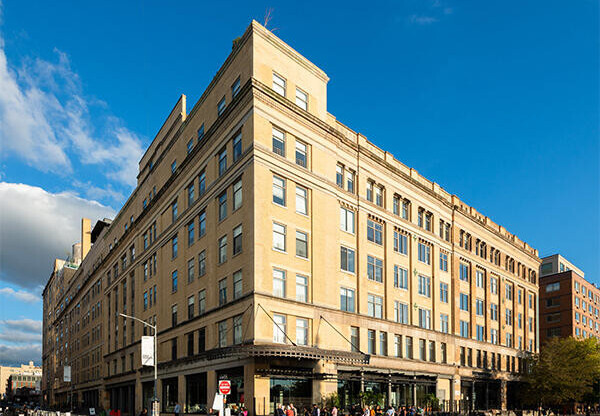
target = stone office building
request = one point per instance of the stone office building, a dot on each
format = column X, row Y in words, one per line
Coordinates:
column 277, row 248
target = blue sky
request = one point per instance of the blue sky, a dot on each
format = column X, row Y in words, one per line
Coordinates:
column 495, row 101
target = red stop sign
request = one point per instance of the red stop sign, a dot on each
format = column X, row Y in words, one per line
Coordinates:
column 225, row 387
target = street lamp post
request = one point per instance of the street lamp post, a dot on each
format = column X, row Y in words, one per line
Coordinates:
column 154, row 332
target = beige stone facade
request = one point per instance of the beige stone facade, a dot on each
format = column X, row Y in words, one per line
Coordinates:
column 275, row 247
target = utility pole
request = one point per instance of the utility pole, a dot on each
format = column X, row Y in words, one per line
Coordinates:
column 153, row 410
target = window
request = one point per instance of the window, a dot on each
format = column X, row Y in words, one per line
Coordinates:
column 347, row 299
column 173, row 166
column 279, row 283
column 422, row 350
column 354, row 338
column 339, row 176
column 509, row 318
column 464, row 302
column 279, row 236
column 202, row 263
column 409, row 348
column 301, row 288
column 222, row 334
column 443, row 292
column 237, row 194
column 425, row 318
column 301, row 244
column 237, row 329
column 301, row 200
column 428, row 221
column 383, row 350
column 190, row 145
column 201, row 133
column 201, row 302
column 424, row 253
column 508, row 291
column 406, row 209
column 370, row 186
column 191, row 193
column 237, row 284
column 278, row 84
column 432, row 351
column 222, row 161
column 221, row 106
column 301, row 154
column 145, row 300
column 400, row 277
column 235, row 88
column 444, row 323
column 464, row 272
column 371, row 341
column 174, row 247
column 494, row 312
column 398, row 346
column 222, row 291
column 375, row 306
column 223, row 249
column 400, row 243
column 374, row 232
column 494, row 285
column 347, row 259
column 494, row 336
column 237, row 147
column 191, row 307
column 190, row 233
column 174, row 315
column 190, row 270
column 201, row 183
column 444, row 262
column 301, row 331
column 279, row 329
column 479, row 279
column 174, row 281
column 350, row 180
column 480, row 332
column 479, row 307
column 222, row 206
column 379, row 195
column 347, row 220
column 237, row 240
column 375, row 269
column 202, row 224
column 174, row 211
column 278, row 142
column 301, row 99
column 464, row 329
column 424, row 286
column 279, row 191
column 552, row 287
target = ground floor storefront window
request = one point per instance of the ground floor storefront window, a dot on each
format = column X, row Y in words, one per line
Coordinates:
column 122, row 398
column 195, row 393
column 236, row 377
column 290, row 390
column 169, row 394
column 402, row 394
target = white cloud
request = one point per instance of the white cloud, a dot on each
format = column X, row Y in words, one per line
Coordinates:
column 23, row 325
column 21, row 295
column 46, row 120
column 19, row 354
column 422, row 19
column 36, row 227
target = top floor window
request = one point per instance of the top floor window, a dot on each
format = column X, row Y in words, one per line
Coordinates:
column 379, row 195
column 235, row 88
column 201, row 133
column 279, row 84
column 221, row 106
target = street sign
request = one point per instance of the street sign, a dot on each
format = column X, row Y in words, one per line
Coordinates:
column 148, row 351
column 224, row 387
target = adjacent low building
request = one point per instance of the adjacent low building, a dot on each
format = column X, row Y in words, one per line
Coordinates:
column 277, row 248
column 569, row 304
column 7, row 371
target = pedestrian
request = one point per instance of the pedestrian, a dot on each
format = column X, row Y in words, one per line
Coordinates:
column 144, row 412
column 279, row 411
column 177, row 409
column 316, row 411
column 334, row 411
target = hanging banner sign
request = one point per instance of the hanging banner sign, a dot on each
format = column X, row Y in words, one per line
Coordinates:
column 148, row 351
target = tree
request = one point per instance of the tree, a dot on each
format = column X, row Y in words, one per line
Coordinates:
column 563, row 372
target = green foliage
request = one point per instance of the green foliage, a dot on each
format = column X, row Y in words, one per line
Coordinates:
column 370, row 398
column 564, row 371
column 432, row 400
column 331, row 400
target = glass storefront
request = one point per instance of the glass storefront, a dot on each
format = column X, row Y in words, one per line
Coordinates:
column 236, row 377
column 169, row 394
column 195, row 393
column 349, row 393
column 147, row 394
column 290, row 390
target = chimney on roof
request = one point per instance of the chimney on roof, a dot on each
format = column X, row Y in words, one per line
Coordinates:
column 86, row 236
